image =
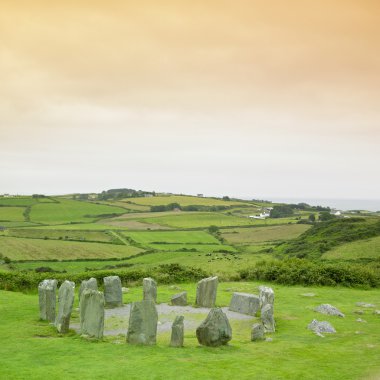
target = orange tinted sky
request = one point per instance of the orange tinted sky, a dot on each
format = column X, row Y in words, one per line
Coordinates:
column 258, row 98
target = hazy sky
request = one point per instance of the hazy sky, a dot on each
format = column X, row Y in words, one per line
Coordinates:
column 266, row 98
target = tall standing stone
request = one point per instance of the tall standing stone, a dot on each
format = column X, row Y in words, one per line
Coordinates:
column 88, row 284
column 245, row 303
column 65, row 306
column 92, row 313
column 178, row 329
column 206, row 292
column 113, row 294
column 150, row 289
column 215, row 330
column 47, row 299
column 266, row 295
column 267, row 318
column 143, row 323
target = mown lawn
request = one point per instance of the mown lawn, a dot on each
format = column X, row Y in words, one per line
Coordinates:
column 32, row 349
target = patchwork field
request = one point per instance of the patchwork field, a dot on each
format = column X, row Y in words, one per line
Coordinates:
column 67, row 211
column 11, row 214
column 263, row 234
column 38, row 249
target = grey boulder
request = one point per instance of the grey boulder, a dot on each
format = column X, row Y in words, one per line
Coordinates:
column 266, row 295
column 245, row 303
column 321, row 327
column 177, row 336
column 206, row 292
column 65, row 306
column 215, row 330
column 92, row 313
column 267, row 318
column 150, row 289
column 88, row 284
column 47, row 299
column 328, row 310
column 142, row 323
column 179, row 299
column 113, row 295
column 257, row 332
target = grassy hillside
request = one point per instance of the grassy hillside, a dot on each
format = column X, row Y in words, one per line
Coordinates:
column 11, row 214
column 327, row 235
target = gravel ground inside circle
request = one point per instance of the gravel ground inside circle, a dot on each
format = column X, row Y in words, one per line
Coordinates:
column 116, row 320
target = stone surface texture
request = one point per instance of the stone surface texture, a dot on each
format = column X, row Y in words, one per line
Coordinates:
column 206, row 292
column 65, row 306
column 321, row 327
column 150, row 289
column 178, row 328
column 179, row 299
column 88, row 284
column 257, row 332
column 328, row 309
column 92, row 313
column 266, row 295
column 267, row 318
column 245, row 303
column 215, row 330
column 113, row 295
column 47, row 299
column 143, row 323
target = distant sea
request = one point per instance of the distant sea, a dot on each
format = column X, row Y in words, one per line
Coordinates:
column 340, row 204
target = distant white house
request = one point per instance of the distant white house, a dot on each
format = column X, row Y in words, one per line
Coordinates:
column 262, row 215
column 336, row 213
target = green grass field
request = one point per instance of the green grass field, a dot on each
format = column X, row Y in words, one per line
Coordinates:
column 362, row 249
column 67, row 211
column 38, row 249
column 188, row 237
column 34, row 350
column 183, row 200
column 263, row 234
column 11, row 214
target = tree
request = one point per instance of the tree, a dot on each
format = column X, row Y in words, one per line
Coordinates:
column 281, row 211
column 325, row 215
column 312, row 218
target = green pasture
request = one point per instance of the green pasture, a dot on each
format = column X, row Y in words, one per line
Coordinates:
column 186, row 237
column 81, row 235
column 197, row 247
column 362, row 249
column 183, row 200
column 263, row 234
column 38, row 249
column 34, row 350
column 11, row 214
column 67, row 211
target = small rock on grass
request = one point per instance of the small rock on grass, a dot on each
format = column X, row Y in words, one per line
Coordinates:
column 376, row 312
column 321, row 327
column 361, row 320
column 364, row 304
column 328, row 310
column 308, row 294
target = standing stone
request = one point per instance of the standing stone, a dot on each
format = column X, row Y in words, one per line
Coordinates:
column 266, row 295
column 150, row 289
column 215, row 330
column 65, row 306
column 179, row 299
column 245, row 303
column 176, row 339
column 206, row 292
column 143, row 323
column 47, row 299
column 113, row 294
column 88, row 284
column 257, row 332
column 267, row 318
column 92, row 313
